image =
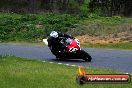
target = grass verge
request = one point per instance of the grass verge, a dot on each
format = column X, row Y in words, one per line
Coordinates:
column 127, row 46
column 24, row 43
column 96, row 25
column 22, row 73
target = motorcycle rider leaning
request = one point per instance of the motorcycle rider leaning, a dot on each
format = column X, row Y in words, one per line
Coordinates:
column 58, row 36
column 56, row 42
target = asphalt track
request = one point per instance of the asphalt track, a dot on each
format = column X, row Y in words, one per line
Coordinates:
column 120, row 60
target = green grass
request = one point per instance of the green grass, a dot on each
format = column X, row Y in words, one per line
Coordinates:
column 33, row 27
column 127, row 46
column 22, row 73
column 24, row 43
column 97, row 25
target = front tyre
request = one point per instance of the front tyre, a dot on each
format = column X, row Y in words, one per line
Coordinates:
column 85, row 56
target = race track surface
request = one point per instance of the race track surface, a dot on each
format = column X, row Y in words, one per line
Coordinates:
column 120, row 60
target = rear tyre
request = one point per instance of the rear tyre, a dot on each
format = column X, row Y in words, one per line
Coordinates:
column 86, row 56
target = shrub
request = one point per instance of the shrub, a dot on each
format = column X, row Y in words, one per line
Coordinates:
column 32, row 27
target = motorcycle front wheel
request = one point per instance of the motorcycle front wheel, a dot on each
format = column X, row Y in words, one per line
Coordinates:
column 85, row 56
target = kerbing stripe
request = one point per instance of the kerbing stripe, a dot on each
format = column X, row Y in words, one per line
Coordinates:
column 51, row 62
column 43, row 61
column 73, row 65
column 63, row 64
column 67, row 64
column 59, row 63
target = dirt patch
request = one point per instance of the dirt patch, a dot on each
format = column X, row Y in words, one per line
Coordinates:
column 107, row 39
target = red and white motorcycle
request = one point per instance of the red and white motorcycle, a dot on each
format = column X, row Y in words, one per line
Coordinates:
column 71, row 49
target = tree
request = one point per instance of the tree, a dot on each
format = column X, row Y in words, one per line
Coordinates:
column 112, row 7
column 32, row 6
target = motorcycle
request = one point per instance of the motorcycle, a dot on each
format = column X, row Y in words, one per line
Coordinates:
column 67, row 48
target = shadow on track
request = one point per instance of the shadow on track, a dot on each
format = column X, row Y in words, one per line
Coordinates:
column 68, row 60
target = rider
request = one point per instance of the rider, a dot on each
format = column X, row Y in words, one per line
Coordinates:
column 54, row 41
column 58, row 36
